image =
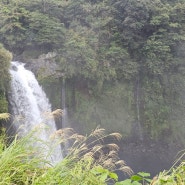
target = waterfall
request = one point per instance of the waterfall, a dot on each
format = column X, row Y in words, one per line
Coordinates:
column 65, row 122
column 140, row 133
column 30, row 108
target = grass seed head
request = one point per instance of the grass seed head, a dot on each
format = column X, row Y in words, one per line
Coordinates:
column 113, row 146
column 98, row 132
column 4, row 116
column 116, row 135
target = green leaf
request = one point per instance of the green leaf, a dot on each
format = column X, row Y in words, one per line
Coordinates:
column 113, row 176
column 136, row 178
column 148, row 180
column 144, row 174
column 136, row 183
column 103, row 177
column 125, row 182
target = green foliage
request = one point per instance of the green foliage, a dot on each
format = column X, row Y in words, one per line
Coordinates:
column 123, row 40
column 17, row 162
column 113, row 106
column 157, row 57
column 13, row 25
column 45, row 31
column 140, row 178
column 175, row 175
column 5, row 58
column 76, row 62
column 24, row 162
column 157, row 108
column 105, row 41
column 3, row 104
column 22, row 26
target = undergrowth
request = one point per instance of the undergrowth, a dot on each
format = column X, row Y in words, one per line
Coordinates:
column 87, row 160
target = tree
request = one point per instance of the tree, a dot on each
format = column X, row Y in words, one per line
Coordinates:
column 13, row 25
column 24, row 24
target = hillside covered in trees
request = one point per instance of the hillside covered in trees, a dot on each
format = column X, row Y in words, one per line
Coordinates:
column 135, row 47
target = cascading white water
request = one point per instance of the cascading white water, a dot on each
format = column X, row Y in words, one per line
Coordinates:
column 30, row 108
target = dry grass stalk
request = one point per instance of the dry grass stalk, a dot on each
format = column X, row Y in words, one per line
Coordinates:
column 77, row 137
column 18, row 118
column 4, row 116
column 89, row 154
column 109, row 163
column 92, row 146
column 116, row 135
column 98, row 132
column 126, row 169
column 97, row 148
column 54, row 114
column 57, row 113
column 113, row 146
column 64, row 132
column 112, row 153
column 83, row 147
column 120, row 163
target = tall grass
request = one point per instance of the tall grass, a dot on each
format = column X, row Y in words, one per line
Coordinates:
column 18, row 162
column 88, row 159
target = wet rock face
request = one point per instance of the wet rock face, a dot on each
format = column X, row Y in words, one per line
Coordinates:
column 14, row 68
column 45, row 66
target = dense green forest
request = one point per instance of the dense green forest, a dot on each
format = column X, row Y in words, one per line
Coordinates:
column 136, row 43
